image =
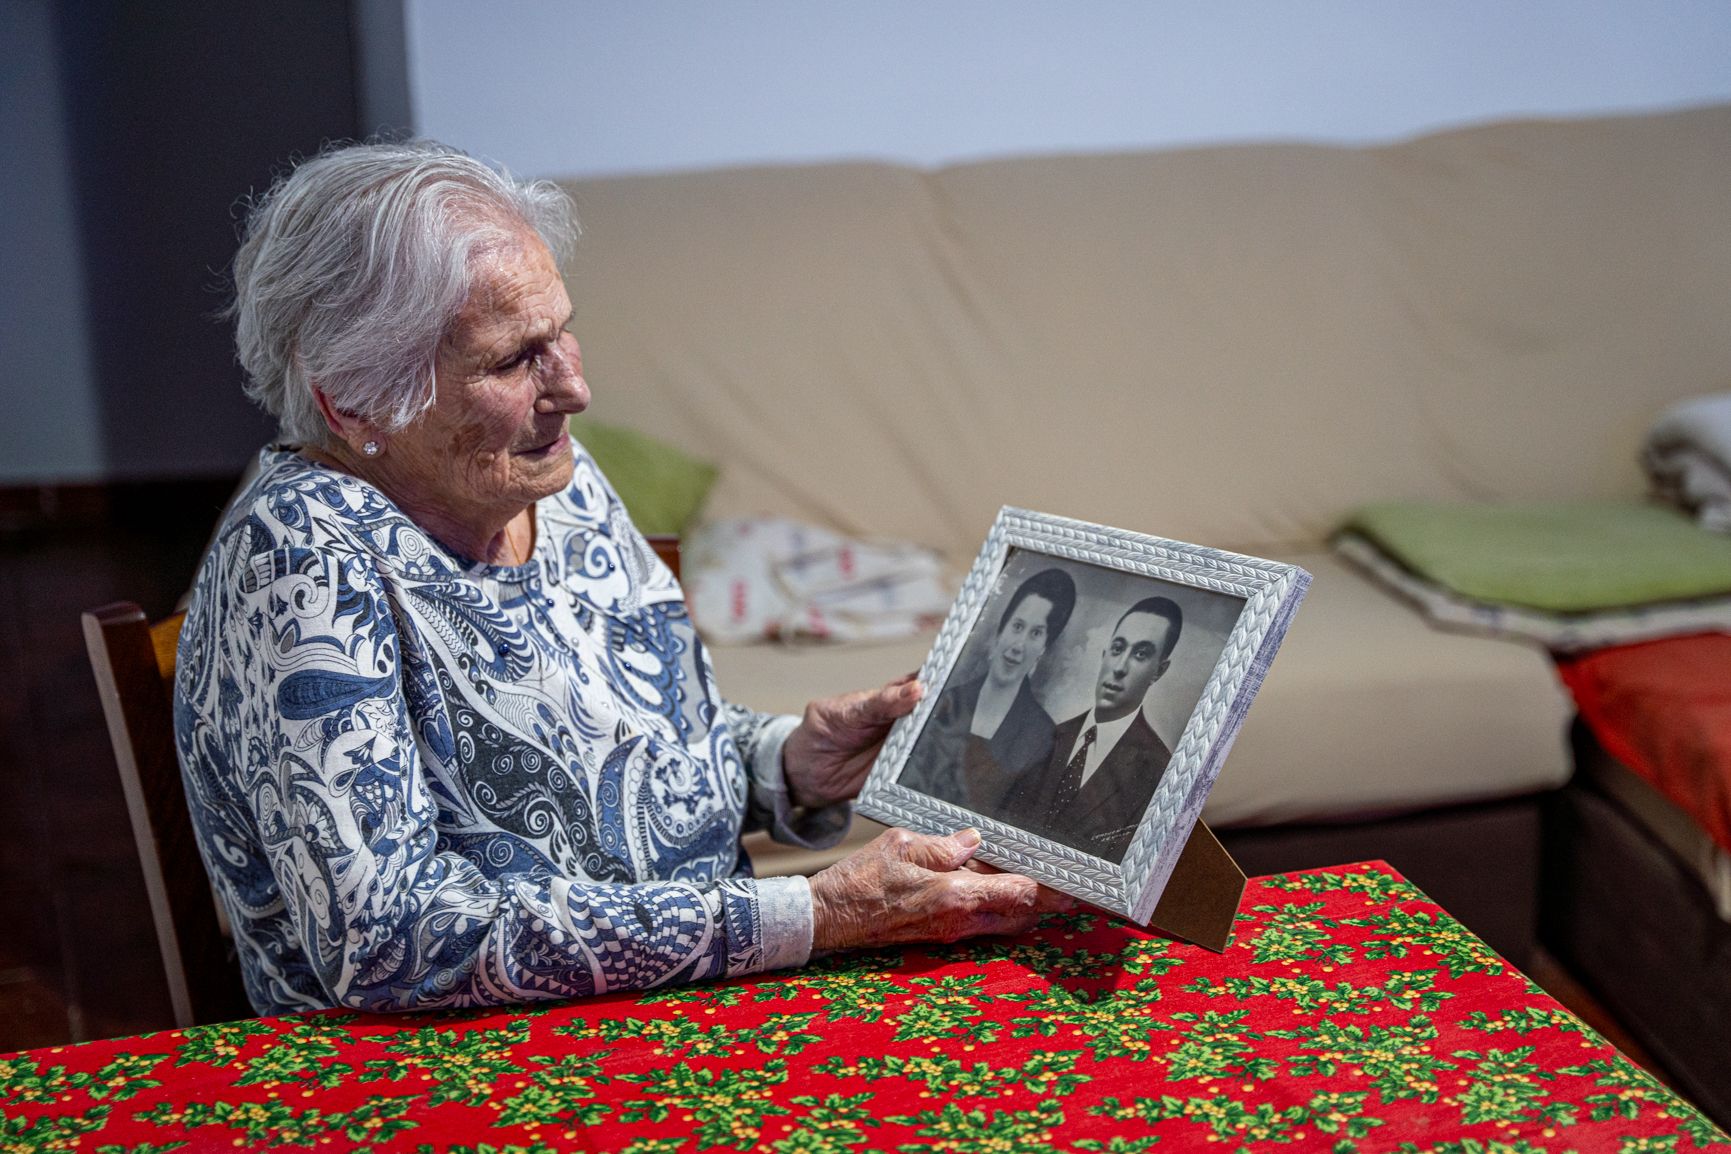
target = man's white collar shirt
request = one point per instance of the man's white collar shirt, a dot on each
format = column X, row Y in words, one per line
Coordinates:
column 1104, row 741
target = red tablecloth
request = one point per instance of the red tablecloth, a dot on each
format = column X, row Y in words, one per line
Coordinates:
column 1349, row 1014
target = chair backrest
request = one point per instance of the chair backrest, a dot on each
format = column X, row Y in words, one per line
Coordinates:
column 666, row 548
column 134, row 666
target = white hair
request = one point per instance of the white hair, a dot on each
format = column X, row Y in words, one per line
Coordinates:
column 354, row 266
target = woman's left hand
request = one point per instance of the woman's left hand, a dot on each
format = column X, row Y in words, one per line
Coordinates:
column 827, row 756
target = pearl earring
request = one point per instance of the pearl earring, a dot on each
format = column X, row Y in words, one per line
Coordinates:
column 371, row 448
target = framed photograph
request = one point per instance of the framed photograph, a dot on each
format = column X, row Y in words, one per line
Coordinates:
column 1081, row 697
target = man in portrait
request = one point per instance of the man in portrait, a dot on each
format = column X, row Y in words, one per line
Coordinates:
column 1106, row 763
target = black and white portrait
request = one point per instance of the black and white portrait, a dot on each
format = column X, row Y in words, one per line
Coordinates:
column 1060, row 714
column 1081, row 698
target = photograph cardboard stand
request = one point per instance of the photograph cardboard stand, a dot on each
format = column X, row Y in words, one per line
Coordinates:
column 1201, row 897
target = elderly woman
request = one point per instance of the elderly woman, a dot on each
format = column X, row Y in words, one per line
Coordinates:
column 448, row 733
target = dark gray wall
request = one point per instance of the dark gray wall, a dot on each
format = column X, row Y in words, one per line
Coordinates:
column 381, row 66
column 139, row 130
column 175, row 111
column 46, row 383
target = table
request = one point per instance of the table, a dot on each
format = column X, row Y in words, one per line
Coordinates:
column 1350, row 1014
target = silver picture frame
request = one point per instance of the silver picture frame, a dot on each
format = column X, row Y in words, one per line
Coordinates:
column 1021, row 840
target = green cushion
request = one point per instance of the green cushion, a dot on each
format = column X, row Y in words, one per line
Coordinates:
column 1560, row 558
column 662, row 488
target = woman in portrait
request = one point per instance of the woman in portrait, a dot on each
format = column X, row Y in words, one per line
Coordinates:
column 448, row 735
column 985, row 734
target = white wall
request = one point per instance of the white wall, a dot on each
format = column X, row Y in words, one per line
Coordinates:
column 50, row 431
column 587, row 87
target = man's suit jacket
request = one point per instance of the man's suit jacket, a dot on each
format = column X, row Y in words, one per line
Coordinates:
column 1102, row 815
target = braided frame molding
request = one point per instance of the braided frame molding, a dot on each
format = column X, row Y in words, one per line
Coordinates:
column 1271, row 592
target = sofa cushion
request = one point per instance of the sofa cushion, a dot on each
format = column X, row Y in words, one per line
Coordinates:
column 1558, row 632
column 1236, row 346
column 1560, row 558
column 1368, row 711
column 663, row 487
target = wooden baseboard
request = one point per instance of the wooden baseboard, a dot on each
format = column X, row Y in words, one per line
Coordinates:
column 29, row 508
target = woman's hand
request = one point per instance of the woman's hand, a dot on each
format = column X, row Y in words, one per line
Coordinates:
column 825, row 759
column 913, row 887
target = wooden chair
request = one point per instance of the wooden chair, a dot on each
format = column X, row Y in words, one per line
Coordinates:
column 134, row 666
column 666, row 548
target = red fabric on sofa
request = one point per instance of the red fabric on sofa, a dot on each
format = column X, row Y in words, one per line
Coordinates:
column 1663, row 708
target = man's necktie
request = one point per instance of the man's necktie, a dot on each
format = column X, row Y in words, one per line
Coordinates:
column 1072, row 783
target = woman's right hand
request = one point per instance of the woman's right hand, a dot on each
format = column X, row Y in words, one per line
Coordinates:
column 913, row 887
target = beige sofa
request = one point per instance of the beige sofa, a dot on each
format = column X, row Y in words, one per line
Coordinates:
column 1233, row 346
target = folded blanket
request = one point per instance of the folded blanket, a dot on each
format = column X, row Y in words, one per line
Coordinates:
column 1688, row 455
column 766, row 578
column 1558, row 632
column 1554, row 558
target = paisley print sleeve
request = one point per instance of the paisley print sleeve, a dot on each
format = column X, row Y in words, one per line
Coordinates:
column 305, row 722
column 757, row 736
column 760, row 737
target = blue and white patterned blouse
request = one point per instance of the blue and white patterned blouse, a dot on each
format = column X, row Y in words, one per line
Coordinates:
column 419, row 780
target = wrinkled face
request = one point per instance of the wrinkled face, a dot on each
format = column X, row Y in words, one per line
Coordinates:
column 1133, row 660
column 1020, row 644
column 507, row 379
